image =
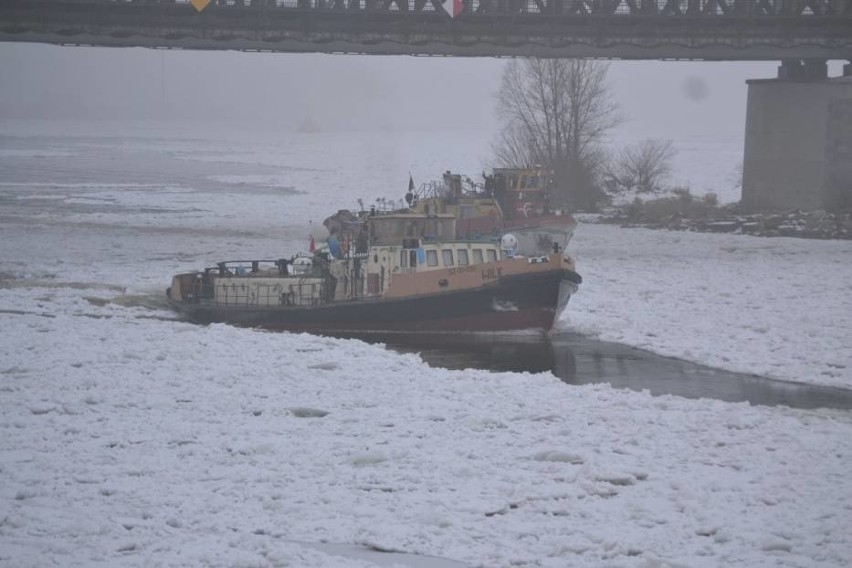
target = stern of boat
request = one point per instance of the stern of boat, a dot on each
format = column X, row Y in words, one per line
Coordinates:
column 185, row 289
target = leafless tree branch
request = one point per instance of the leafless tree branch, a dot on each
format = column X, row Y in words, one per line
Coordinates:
column 555, row 113
column 644, row 166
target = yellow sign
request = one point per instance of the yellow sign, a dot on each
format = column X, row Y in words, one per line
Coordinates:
column 199, row 4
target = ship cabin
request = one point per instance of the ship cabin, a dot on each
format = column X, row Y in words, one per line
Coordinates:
column 451, row 198
column 413, row 243
column 523, row 192
column 401, row 245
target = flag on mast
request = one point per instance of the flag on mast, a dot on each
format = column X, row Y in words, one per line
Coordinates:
column 452, row 7
column 409, row 196
column 312, row 245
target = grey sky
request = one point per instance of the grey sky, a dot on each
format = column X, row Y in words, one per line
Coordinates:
column 660, row 99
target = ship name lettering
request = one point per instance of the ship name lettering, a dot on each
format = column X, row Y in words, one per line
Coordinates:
column 461, row 269
column 492, row 273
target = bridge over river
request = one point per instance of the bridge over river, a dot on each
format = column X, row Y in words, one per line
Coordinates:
column 624, row 29
column 798, row 144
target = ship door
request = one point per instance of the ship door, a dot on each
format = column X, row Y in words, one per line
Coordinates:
column 372, row 283
column 409, row 247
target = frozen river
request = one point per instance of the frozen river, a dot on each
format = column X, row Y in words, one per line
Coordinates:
column 130, row 438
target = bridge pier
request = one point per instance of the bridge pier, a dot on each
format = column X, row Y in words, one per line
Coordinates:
column 798, row 140
column 803, row 69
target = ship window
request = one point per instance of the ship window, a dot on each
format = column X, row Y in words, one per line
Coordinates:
column 432, row 257
column 448, row 257
column 477, row 256
column 462, row 255
column 523, row 183
column 492, row 255
column 412, row 258
column 403, row 258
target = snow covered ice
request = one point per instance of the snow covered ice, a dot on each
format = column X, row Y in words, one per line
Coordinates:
column 129, row 438
column 775, row 307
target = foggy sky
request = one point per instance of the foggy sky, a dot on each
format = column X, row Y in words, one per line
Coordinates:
column 659, row 99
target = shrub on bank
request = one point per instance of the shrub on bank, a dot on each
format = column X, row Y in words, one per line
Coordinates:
column 682, row 211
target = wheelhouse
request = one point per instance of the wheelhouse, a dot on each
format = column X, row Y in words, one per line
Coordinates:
column 410, row 242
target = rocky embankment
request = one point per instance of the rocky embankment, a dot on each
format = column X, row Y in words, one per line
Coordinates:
column 802, row 224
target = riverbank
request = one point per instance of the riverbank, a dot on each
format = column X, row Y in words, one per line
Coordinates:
column 671, row 215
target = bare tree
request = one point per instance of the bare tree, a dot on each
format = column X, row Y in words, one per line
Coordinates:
column 644, row 166
column 555, row 113
column 513, row 147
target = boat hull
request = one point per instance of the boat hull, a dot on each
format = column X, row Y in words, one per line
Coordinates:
column 520, row 301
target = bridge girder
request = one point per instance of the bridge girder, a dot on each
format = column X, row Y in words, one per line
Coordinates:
column 622, row 29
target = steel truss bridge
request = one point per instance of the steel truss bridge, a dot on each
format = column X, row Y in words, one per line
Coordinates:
column 793, row 30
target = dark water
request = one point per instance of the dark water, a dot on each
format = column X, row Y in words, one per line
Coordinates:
column 578, row 360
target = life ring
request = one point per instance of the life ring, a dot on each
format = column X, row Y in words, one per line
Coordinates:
column 526, row 209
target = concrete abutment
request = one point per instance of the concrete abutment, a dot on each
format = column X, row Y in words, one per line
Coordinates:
column 798, row 140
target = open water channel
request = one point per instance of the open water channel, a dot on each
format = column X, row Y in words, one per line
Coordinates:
column 580, row 360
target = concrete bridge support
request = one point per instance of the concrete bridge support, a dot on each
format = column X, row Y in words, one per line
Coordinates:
column 798, row 140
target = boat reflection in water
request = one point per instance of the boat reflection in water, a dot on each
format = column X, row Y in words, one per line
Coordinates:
column 579, row 360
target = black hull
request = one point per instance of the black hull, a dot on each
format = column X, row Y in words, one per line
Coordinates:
column 516, row 302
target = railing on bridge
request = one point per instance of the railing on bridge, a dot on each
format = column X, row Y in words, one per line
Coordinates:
column 734, row 8
column 630, row 29
column 471, row 8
